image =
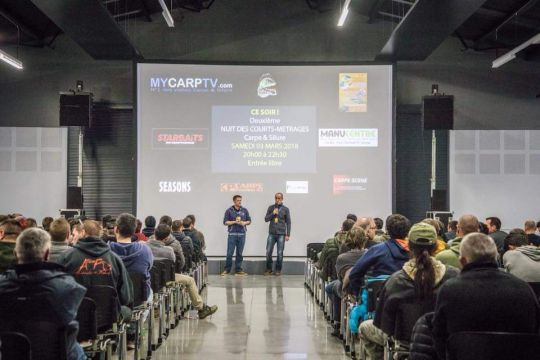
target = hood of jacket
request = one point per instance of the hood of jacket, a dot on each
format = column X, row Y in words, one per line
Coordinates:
column 440, row 269
column 129, row 253
column 169, row 240
column 530, row 251
column 456, row 243
column 95, row 247
column 35, row 273
column 396, row 250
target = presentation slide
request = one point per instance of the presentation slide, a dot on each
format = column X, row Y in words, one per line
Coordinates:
column 321, row 135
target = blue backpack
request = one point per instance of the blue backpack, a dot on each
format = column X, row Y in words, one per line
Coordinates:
column 360, row 312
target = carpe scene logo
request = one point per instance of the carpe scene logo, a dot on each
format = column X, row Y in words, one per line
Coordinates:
column 189, row 85
column 267, row 86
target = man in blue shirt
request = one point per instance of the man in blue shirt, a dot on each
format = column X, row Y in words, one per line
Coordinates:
column 278, row 232
column 236, row 219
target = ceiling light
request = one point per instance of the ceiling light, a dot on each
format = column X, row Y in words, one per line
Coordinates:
column 16, row 63
column 511, row 55
column 166, row 14
column 344, row 13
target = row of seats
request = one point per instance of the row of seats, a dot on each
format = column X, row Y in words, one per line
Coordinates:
column 103, row 331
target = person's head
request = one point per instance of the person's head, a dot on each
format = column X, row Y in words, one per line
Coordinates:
column 278, row 197
column 538, row 226
column 352, row 217
column 125, row 226
column 46, row 222
column 176, row 225
column 187, row 223
column 32, row 245
column 515, row 239
column 150, row 222
column 530, row 226
column 467, row 224
column 31, row 222
column 77, row 230
column 10, row 229
column 237, row 200
column 477, row 248
column 139, row 226
column 192, row 217
column 493, row 223
column 162, row 232
column 482, row 228
column 433, row 223
column 378, row 223
column 368, row 225
column 397, row 226
column 59, row 230
column 108, row 222
column 91, row 228
column 166, row 219
column 356, row 238
column 347, row 225
column 452, row 225
column 422, row 244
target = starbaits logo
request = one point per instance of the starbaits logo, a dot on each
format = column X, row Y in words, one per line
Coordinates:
column 267, row 86
column 189, row 85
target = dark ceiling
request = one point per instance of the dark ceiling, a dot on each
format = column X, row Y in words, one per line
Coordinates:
column 419, row 26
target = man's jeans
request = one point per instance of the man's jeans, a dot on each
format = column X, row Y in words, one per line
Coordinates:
column 333, row 289
column 235, row 240
column 270, row 242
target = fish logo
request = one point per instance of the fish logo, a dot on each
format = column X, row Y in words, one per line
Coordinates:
column 267, row 86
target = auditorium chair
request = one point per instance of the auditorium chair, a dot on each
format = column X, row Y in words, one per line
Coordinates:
column 536, row 288
column 492, row 346
column 140, row 317
column 14, row 345
column 87, row 336
column 158, row 306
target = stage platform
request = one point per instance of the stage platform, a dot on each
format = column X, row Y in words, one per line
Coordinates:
column 257, row 265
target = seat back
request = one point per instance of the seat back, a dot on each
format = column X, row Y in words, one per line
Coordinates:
column 493, row 346
column 87, row 318
column 139, row 285
column 168, row 270
column 156, row 276
column 536, row 288
column 14, row 345
column 407, row 315
column 106, row 301
column 374, row 285
column 313, row 249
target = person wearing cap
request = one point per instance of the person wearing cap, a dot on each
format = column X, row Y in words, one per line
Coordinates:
column 417, row 281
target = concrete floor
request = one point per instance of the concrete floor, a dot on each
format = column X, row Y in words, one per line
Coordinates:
column 258, row 318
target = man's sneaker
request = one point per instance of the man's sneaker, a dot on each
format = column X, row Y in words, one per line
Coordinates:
column 225, row 273
column 240, row 273
column 268, row 272
column 278, row 273
column 207, row 311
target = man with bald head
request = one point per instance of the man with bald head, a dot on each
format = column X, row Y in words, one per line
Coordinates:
column 467, row 224
column 369, row 227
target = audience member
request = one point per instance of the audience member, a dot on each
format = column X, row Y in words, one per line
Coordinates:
column 46, row 222
column 330, row 252
column 467, row 224
column 33, row 275
column 530, row 228
column 31, row 223
column 385, row 258
column 9, row 230
column 483, row 298
column 77, row 228
column 353, row 217
column 521, row 259
column 108, row 222
column 188, row 230
column 494, row 228
column 92, row 262
column 368, row 224
column 59, row 231
column 482, row 228
column 441, row 244
column 137, row 256
column 418, row 281
column 149, row 226
column 139, row 236
column 172, row 242
column 379, row 224
column 185, row 242
column 199, row 234
column 157, row 245
column 452, row 230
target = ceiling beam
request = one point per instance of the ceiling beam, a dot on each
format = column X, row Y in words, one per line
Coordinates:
column 427, row 24
column 23, row 28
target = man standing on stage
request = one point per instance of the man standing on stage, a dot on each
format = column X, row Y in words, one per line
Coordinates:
column 236, row 219
column 279, row 231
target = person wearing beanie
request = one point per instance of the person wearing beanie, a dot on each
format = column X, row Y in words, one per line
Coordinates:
column 149, row 226
column 418, row 282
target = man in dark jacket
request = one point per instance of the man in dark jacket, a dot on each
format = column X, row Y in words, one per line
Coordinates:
column 483, row 298
column 149, row 226
column 185, row 242
column 279, row 230
column 198, row 233
column 494, row 227
column 331, row 250
column 385, row 258
column 33, row 276
column 9, row 230
column 92, row 262
column 188, row 230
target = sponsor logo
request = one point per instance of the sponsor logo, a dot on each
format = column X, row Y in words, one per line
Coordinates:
column 267, row 86
column 348, row 137
column 180, row 139
column 345, row 183
column 174, row 186
column 297, row 187
column 241, row 187
column 353, row 92
column 91, row 266
column 189, row 85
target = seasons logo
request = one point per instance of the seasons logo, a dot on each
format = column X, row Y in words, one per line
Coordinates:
column 180, row 139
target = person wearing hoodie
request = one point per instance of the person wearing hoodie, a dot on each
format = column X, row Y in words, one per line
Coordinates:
column 59, row 231
column 149, row 226
column 385, row 258
column 92, row 262
column 530, row 228
column 441, row 244
column 9, row 230
column 521, row 259
column 330, row 252
column 137, row 256
column 185, row 242
column 198, row 233
column 189, row 230
column 466, row 224
column 34, row 275
column 418, row 281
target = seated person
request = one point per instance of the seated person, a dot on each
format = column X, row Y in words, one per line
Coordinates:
column 441, row 244
column 33, row 274
column 483, row 298
column 467, row 224
column 107, row 223
column 149, row 226
column 417, row 281
column 92, row 262
column 197, row 233
column 139, row 236
column 384, row 258
column 330, row 252
column 161, row 251
column 521, row 259
column 530, row 227
column 196, row 239
column 10, row 228
column 59, row 230
column 185, row 242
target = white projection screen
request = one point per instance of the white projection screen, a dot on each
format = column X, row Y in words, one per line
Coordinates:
column 321, row 135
